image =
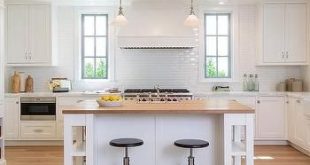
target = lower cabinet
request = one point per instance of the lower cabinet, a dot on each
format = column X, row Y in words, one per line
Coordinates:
column 271, row 118
column 308, row 134
column 37, row 130
column 15, row 129
column 291, row 119
column 299, row 122
column 11, row 118
column 67, row 101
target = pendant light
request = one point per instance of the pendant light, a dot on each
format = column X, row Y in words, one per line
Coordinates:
column 120, row 19
column 192, row 20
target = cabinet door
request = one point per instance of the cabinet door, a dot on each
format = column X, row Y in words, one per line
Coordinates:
column 300, row 127
column 39, row 33
column 296, row 33
column 274, row 32
column 11, row 118
column 291, row 119
column 271, row 118
column 17, row 23
column 308, row 134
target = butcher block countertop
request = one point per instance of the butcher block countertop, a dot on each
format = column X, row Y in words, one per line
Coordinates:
column 184, row 107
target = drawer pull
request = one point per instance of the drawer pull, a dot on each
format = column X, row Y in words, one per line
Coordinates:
column 298, row 101
column 38, row 130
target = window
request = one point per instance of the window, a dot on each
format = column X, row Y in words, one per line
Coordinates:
column 94, row 46
column 217, row 46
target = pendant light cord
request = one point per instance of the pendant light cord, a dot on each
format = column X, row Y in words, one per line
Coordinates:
column 120, row 12
column 192, row 8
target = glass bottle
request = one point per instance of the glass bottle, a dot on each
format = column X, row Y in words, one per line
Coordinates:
column 256, row 83
column 251, row 83
column 245, row 82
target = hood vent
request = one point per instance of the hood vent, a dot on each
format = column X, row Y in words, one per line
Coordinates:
column 156, row 42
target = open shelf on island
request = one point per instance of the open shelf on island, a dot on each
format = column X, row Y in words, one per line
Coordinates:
column 238, row 149
column 79, row 149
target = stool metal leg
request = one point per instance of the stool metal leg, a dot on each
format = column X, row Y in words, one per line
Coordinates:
column 191, row 158
column 126, row 158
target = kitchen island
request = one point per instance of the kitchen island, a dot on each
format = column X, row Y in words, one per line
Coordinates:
column 89, row 128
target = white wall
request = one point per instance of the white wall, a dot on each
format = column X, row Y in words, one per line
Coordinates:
column 169, row 68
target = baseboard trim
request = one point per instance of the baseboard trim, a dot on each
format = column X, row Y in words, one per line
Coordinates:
column 271, row 142
column 34, row 143
column 299, row 149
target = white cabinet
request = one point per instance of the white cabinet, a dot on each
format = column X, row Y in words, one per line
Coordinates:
column 271, row 118
column 29, row 35
column 67, row 101
column 284, row 32
column 300, row 124
column 11, row 118
column 291, row 119
column 308, row 134
column 34, row 130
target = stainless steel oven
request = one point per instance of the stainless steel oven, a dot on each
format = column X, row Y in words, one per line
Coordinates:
column 38, row 108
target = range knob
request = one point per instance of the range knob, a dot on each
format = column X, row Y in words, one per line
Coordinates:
column 168, row 99
column 174, row 99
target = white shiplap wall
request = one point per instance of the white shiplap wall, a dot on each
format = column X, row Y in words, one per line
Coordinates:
column 169, row 68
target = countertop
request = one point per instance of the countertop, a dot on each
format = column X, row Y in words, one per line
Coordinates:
column 300, row 95
column 184, row 107
column 51, row 94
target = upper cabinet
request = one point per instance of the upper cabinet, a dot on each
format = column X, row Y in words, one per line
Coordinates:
column 284, row 34
column 29, row 35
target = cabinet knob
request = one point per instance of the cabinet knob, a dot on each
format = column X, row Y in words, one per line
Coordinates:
column 258, row 101
column 298, row 101
column 286, row 54
column 17, row 102
column 283, row 55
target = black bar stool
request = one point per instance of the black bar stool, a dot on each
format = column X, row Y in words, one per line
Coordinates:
column 191, row 143
column 126, row 142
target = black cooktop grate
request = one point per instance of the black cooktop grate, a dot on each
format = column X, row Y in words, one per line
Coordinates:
column 154, row 91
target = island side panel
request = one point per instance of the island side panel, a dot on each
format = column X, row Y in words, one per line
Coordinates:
column 173, row 127
column 159, row 133
column 112, row 126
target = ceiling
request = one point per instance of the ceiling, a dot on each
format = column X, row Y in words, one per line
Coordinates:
column 113, row 2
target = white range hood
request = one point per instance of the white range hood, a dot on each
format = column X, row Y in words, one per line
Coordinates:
column 156, row 42
column 156, row 26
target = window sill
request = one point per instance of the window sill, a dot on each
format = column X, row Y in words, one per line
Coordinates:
column 219, row 80
column 94, row 80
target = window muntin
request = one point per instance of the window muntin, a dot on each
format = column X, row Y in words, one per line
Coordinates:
column 94, row 46
column 217, row 45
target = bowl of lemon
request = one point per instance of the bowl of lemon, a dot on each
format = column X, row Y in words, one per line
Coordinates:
column 110, row 101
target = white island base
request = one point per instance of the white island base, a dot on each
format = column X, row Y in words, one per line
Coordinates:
column 158, row 131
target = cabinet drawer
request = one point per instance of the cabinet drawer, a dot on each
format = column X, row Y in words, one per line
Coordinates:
column 37, row 131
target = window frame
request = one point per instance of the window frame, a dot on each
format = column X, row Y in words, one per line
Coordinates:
column 95, row 36
column 230, row 45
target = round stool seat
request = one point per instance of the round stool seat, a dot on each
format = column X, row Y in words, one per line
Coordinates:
column 126, row 142
column 191, row 143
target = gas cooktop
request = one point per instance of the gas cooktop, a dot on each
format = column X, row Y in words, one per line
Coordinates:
column 157, row 95
column 155, row 91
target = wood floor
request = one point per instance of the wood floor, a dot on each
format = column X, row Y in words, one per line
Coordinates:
column 265, row 155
